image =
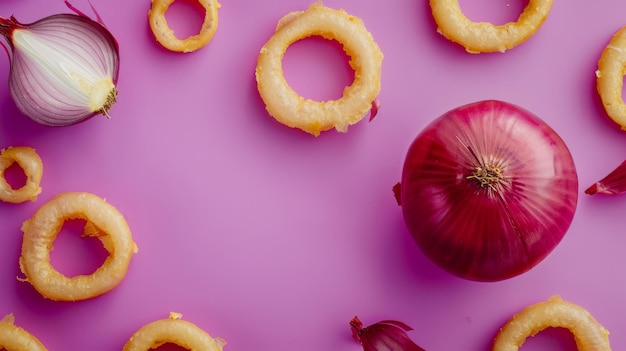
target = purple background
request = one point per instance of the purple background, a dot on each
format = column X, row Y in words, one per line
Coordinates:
column 273, row 239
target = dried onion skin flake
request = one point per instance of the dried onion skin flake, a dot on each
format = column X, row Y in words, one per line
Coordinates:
column 589, row 334
column 172, row 330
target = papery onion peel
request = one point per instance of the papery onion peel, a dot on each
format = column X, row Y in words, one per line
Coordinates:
column 29, row 161
column 613, row 183
column 102, row 221
column 165, row 35
column 172, row 330
column 383, row 336
column 482, row 37
column 488, row 190
column 293, row 110
column 588, row 333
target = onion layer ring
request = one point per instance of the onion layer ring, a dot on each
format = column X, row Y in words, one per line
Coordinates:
column 479, row 37
column 172, row 330
column 557, row 313
column 14, row 338
column 30, row 162
column 165, row 35
column 610, row 77
column 103, row 221
column 313, row 117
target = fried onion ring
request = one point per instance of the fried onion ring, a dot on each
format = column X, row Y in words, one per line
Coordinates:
column 610, row 77
column 480, row 37
column 556, row 313
column 313, row 117
column 103, row 221
column 14, row 338
column 165, row 35
column 172, row 330
column 30, row 162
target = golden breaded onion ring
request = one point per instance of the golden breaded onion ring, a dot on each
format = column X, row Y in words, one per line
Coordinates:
column 103, row 221
column 313, row 117
column 610, row 77
column 480, row 37
column 30, row 162
column 172, row 330
column 556, row 313
column 165, row 35
column 14, row 338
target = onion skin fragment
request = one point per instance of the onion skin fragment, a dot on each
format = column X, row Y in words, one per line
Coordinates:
column 613, row 184
column 488, row 190
column 383, row 336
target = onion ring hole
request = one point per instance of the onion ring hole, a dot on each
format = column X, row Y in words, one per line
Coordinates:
column 610, row 77
column 483, row 37
column 14, row 338
column 102, row 221
column 589, row 334
column 75, row 253
column 290, row 108
column 317, row 68
column 165, row 35
column 29, row 161
column 172, row 330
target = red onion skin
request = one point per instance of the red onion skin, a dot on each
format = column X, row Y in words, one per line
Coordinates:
column 479, row 232
column 387, row 335
column 613, row 183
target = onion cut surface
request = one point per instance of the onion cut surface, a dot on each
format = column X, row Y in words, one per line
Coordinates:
column 488, row 190
column 64, row 68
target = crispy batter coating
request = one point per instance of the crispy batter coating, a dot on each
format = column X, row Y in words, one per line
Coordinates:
column 165, row 35
column 556, row 313
column 30, row 162
column 102, row 221
column 481, row 37
column 313, row 117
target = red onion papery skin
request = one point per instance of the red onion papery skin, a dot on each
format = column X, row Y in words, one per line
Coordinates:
column 613, row 183
column 385, row 335
column 488, row 233
column 92, row 45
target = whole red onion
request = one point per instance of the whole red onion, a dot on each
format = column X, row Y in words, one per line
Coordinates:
column 488, row 190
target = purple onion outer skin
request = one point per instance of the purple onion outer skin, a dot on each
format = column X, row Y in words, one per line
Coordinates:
column 387, row 335
column 495, row 231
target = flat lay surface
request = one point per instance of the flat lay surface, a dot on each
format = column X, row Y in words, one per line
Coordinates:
column 273, row 239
